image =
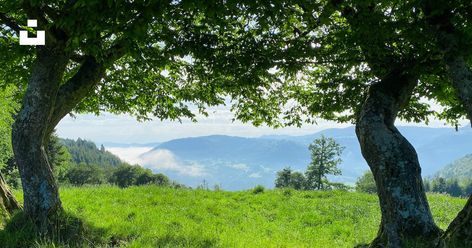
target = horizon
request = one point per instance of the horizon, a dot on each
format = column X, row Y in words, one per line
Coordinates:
column 124, row 129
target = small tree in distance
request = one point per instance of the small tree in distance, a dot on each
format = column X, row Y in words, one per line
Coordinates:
column 325, row 158
column 287, row 178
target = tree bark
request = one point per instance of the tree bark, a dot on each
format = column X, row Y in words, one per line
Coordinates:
column 406, row 216
column 30, row 134
column 8, row 202
column 459, row 232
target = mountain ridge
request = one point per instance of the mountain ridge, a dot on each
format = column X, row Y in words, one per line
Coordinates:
column 242, row 162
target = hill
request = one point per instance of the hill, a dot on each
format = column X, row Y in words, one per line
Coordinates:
column 162, row 217
column 460, row 169
column 240, row 163
column 83, row 151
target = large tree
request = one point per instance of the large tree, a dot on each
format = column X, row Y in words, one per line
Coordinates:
column 162, row 59
column 449, row 22
column 281, row 62
column 371, row 63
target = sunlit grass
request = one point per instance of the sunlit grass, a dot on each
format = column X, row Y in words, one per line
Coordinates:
column 164, row 217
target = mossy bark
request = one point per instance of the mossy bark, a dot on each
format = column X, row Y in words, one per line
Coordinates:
column 406, row 216
column 29, row 138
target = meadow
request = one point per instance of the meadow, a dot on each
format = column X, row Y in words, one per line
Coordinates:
column 151, row 216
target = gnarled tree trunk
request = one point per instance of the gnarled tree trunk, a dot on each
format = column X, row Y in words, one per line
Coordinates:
column 47, row 100
column 8, row 202
column 406, row 216
column 30, row 134
column 459, row 232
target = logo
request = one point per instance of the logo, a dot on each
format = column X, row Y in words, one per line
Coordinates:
column 39, row 40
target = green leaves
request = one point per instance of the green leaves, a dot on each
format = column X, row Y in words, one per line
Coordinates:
column 281, row 63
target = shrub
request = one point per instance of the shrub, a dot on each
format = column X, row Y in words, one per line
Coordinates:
column 258, row 189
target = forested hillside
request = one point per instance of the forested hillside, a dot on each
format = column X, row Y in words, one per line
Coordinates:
column 460, row 169
column 83, row 151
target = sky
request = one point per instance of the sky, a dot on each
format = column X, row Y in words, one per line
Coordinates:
column 109, row 128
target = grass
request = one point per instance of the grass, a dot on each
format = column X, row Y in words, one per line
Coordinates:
column 163, row 217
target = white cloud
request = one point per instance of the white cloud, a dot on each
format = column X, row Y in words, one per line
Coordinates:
column 129, row 154
column 165, row 160
column 242, row 167
column 157, row 160
column 255, row 175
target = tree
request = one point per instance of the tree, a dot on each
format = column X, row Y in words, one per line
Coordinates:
column 453, row 188
column 297, row 180
column 439, row 185
column 325, row 158
column 284, row 178
column 365, row 62
column 366, row 183
column 85, row 174
column 126, row 175
column 147, row 58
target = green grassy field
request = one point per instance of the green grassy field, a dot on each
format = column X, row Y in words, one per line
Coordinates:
column 163, row 217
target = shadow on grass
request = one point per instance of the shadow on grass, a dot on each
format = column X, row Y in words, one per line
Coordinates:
column 180, row 241
column 71, row 231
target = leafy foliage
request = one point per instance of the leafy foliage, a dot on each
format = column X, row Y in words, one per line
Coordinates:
column 8, row 106
column 452, row 187
column 366, row 183
column 286, row 178
column 278, row 61
column 126, row 175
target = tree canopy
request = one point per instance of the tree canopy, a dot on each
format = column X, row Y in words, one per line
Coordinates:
column 308, row 59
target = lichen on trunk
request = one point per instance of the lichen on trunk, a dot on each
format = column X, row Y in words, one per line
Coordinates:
column 406, row 216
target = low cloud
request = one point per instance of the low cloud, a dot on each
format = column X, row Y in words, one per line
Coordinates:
column 129, row 154
column 157, row 160
column 165, row 160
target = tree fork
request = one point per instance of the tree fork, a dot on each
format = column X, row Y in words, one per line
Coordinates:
column 406, row 216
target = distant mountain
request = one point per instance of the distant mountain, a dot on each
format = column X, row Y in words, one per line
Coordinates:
column 127, row 145
column 239, row 163
column 459, row 169
column 436, row 147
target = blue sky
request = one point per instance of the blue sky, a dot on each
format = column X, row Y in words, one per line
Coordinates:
column 125, row 129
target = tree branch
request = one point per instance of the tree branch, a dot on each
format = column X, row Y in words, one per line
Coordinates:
column 76, row 88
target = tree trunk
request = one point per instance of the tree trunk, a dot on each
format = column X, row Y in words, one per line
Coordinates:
column 30, row 134
column 459, row 232
column 406, row 216
column 8, row 202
